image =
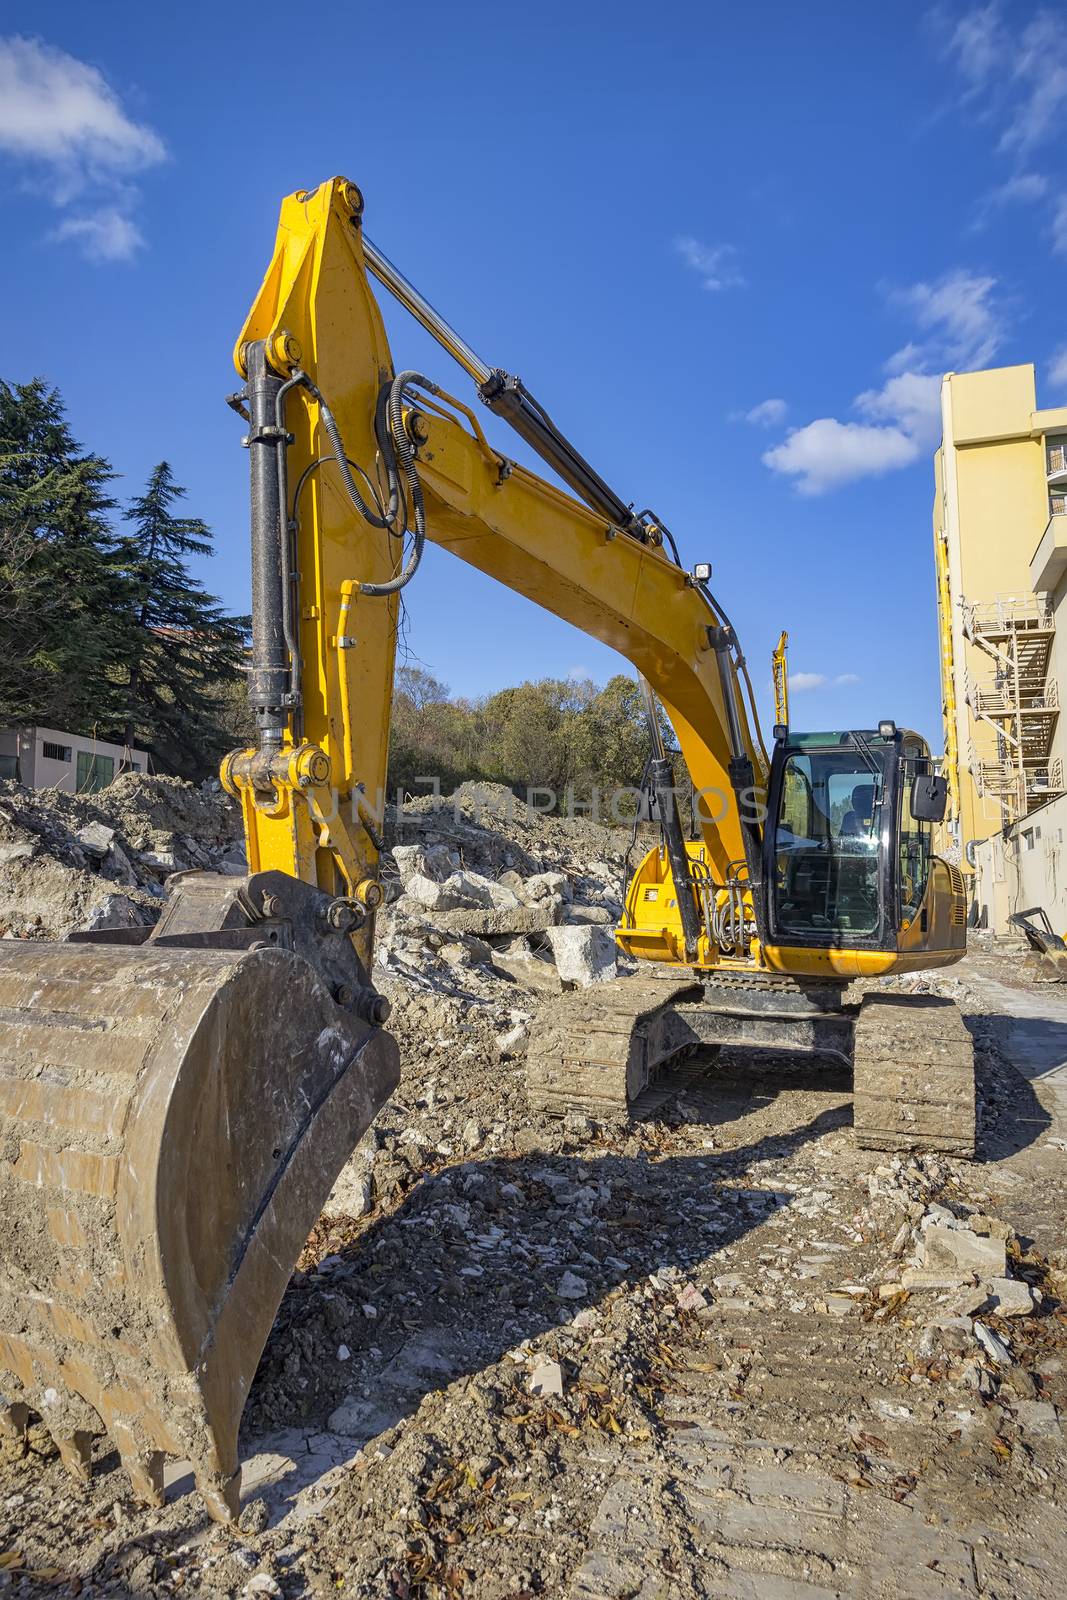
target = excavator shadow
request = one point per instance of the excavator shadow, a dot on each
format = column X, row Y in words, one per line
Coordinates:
column 719, row 1085
column 472, row 1260
column 1018, row 1066
column 1011, row 1115
column 490, row 1253
column 475, row 1259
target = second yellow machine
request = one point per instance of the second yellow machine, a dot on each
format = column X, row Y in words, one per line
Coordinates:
column 176, row 1102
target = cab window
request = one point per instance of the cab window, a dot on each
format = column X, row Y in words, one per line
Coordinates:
column 916, row 846
column 826, row 878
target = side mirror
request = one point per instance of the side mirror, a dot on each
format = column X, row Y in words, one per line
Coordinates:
column 929, row 797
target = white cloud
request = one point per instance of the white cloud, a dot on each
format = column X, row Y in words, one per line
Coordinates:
column 961, row 317
column 960, row 312
column 1023, row 189
column 767, row 414
column 64, row 123
column 1057, row 370
column 827, row 453
column 716, row 264
column 1059, row 228
column 1020, row 78
column 974, row 45
column 803, row 681
column 904, row 359
column 61, row 110
column 1041, row 73
column 910, row 401
column 104, row 236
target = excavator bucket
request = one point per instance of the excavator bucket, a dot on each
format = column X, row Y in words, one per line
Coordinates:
column 173, row 1115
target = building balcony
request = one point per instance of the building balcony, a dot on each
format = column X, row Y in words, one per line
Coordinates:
column 1049, row 561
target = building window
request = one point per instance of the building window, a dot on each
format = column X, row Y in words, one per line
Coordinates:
column 1028, row 838
column 9, row 767
column 55, row 752
column 94, row 772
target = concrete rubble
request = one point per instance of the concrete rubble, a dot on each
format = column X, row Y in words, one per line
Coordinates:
column 100, row 861
column 719, row 1353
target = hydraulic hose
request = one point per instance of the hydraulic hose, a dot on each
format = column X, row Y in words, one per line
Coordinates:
column 405, row 451
column 399, row 452
column 333, row 433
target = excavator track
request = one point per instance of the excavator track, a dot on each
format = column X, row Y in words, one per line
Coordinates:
column 913, row 1066
column 168, row 1133
column 601, row 1051
column 600, row 1048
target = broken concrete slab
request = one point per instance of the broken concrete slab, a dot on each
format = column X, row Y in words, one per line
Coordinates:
column 113, row 911
column 495, row 922
column 95, row 839
column 918, row 1278
column 542, row 886
column 584, row 955
column 433, row 861
column 546, row 1380
column 451, row 894
column 1038, row 1418
column 15, row 852
column 956, row 1250
column 589, row 916
column 995, row 1348
column 1007, row 1297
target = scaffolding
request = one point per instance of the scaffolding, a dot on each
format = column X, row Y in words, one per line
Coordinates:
column 1017, row 699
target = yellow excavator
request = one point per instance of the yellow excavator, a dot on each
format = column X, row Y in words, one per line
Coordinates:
column 176, row 1103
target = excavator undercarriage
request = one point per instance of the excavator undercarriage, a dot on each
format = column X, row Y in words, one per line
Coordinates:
column 603, row 1050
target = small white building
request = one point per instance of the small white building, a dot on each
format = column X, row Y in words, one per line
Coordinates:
column 46, row 758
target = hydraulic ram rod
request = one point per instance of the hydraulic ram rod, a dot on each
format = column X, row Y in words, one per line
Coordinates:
column 423, row 312
column 506, row 396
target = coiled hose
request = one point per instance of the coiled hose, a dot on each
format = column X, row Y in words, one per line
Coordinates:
column 398, row 451
column 405, row 451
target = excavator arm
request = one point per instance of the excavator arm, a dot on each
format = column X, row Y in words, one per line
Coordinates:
column 320, row 385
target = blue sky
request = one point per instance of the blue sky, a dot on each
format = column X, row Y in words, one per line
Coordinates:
column 731, row 248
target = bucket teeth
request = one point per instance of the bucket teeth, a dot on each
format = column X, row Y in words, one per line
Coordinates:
column 222, row 1496
column 75, row 1452
column 144, row 1468
column 14, row 1419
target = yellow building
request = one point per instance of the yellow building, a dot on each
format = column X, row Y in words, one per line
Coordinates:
column 1000, row 539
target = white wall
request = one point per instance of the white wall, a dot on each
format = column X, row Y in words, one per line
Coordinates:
column 39, row 771
column 1041, row 851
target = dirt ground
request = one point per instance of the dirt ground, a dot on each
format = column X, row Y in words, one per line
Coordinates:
column 538, row 1358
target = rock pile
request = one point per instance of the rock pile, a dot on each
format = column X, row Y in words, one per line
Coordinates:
column 79, row 861
column 483, row 895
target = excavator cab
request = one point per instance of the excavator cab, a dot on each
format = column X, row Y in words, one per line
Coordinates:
column 848, row 862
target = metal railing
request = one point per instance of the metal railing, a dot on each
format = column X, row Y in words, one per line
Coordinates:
column 1008, row 614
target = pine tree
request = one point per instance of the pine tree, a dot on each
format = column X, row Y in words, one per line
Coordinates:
column 60, row 583
column 181, row 651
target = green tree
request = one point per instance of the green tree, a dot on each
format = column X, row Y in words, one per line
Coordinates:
column 179, row 649
column 621, row 733
column 432, row 735
column 61, row 583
